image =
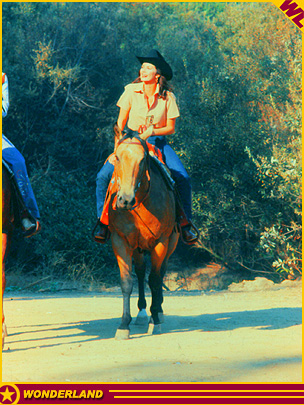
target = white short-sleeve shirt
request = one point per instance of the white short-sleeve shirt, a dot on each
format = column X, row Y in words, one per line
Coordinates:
column 133, row 100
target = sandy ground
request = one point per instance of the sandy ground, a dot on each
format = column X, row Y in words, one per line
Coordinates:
column 249, row 333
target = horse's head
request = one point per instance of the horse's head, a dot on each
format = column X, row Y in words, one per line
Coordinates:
column 130, row 167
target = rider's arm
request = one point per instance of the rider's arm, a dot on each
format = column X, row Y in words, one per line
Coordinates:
column 169, row 129
column 122, row 118
column 5, row 99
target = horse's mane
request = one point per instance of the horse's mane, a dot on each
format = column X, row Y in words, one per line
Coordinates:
column 133, row 135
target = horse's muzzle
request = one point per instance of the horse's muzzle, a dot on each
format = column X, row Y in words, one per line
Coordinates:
column 125, row 202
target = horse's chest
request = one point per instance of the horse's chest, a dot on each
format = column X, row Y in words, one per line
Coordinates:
column 137, row 228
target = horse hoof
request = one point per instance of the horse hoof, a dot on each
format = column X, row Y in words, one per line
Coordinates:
column 122, row 334
column 161, row 317
column 154, row 329
column 142, row 318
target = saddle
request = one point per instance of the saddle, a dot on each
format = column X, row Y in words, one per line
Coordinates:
column 181, row 217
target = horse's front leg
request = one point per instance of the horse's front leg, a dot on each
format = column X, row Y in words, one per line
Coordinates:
column 123, row 255
column 171, row 247
column 158, row 255
column 140, row 270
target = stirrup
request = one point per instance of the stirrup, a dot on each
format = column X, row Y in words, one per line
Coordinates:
column 33, row 230
column 179, row 227
column 99, row 239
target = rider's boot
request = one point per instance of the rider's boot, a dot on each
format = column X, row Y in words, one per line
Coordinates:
column 188, row 236
column 30, row 225
column 101, row 232
column 185, row 225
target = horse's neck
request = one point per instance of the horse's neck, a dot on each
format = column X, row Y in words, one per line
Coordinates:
column 145, row 183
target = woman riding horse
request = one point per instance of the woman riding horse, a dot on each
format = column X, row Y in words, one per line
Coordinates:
column 150, row 109
column 30, row 215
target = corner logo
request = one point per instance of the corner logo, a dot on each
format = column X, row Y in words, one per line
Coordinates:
column 9, row 394
column 291, row 9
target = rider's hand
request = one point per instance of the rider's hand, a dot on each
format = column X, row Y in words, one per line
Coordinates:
column 142, row 128
column 147, row 133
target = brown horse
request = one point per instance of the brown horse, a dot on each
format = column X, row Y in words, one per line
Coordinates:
column 7, row 231
column 141, row 218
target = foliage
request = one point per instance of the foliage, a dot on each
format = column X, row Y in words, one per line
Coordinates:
column 237, row 79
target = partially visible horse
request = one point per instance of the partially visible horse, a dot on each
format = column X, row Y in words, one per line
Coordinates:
column 142, row 217
column 7, row 231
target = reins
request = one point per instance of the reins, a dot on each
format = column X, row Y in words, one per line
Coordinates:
column 143, row 143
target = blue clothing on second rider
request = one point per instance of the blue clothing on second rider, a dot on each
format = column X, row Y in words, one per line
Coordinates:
column 150, row 111
column 14, row 159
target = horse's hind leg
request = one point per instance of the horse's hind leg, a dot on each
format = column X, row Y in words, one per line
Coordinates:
column 124, row 259
column 4, row 253
column 140, row 270
column 4, row 330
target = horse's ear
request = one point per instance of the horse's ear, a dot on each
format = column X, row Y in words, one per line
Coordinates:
column 117, row 134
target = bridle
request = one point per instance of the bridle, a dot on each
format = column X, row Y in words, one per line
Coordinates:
column 136, row 140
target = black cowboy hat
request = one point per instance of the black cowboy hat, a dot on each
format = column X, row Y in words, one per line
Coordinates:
column 156, row 59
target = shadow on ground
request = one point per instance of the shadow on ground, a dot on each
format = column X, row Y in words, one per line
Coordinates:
column 92, row 330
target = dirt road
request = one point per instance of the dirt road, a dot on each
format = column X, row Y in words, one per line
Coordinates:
column 248, row 333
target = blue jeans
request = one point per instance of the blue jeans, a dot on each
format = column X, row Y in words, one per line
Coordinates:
column 16, row 162
column 173, row 162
